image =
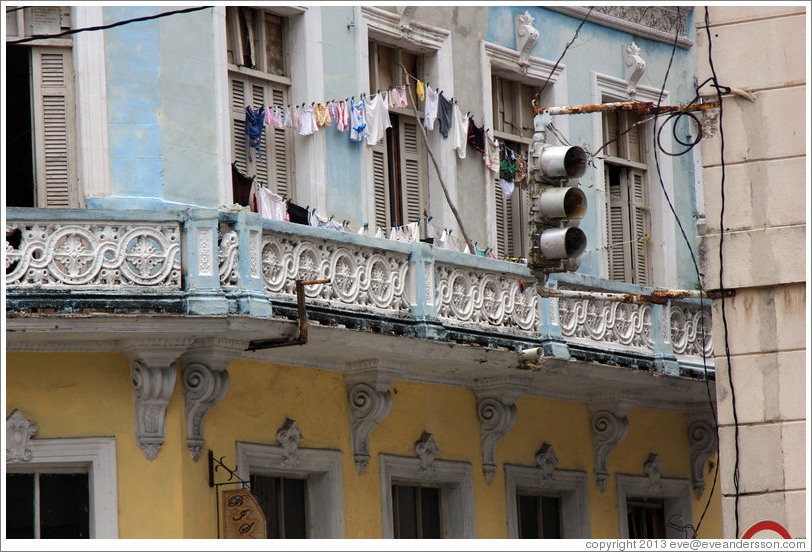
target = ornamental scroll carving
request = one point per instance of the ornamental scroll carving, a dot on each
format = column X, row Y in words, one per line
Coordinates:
column 426, row 450
column 496, row 418
column 100, row 255
column 546, row 460
column 635, row 66
column 228, row 258
column 653, row 469
column 152, row 389
column 19, row 430
column 368, row 406
column 608, row 430
column 703, row 444
column 527, row 37
column 691, row 330
column 289, row 436
column 468, row 297
column 365, row 278
column 605, row 321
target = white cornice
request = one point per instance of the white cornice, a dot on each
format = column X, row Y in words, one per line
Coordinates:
column 387, row 25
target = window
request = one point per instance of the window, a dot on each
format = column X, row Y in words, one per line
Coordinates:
column 41, row 126
column 416, row 512
column 418, row 505
column 653, row 511
column 645, row 519
column 554, row 508
column 283, row 502
column 628, row 224
column 513, row 127
column 47, row 506
column 300, row 499
column 259, row 77
column 399, row 172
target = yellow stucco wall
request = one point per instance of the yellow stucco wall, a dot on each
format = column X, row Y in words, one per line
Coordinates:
column 74, row 394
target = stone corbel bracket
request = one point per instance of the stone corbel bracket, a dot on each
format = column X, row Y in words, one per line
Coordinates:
column 703, row 444
column 609, row 427
column 527, row 37
column 368, row 384
column 497, row 414
column 205, row 382
column 289, row 436
column 152, row 372
column 546, row 460
column 406, row 17
column 426, row 450
column 19, row 430
column 635, row 67
column 653, row 469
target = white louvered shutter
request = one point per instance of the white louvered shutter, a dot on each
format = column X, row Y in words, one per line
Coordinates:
column 412, row 171
column 640, row 226
column 54, row 127
column 501, row 220
column 239, row 141
column 616, row 217
column 279, row 157
column 380, row 185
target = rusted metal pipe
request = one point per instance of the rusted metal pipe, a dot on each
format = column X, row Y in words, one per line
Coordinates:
column 300, row 304
column 642, row 108
column 657, row 297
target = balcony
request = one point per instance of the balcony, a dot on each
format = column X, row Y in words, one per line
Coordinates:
column 235, row 264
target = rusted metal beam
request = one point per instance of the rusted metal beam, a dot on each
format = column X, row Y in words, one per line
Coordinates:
column 300, row 304
column 642, row 108
column 658, row 297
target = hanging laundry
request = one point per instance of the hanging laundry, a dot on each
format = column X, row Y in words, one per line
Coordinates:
column 269, row 116
column 379, row 232
column 476, row 136
column 241, row 186
column 270, row 205
column 307, row 121
column 459, row 132
column 444, row 115
column 279, row 120
column 253, row 128
column 397, row 233
column 377, row 116
column 507, row 172
column 297, row 117
column 507, row 188
column 521, row 171
column 288, row 118
column 322, row 115
column 412, row 231
column 298, row 214
column 430, row 108
column 419, row 90
column 491, row 155
column 358, row 124
column 398, row 97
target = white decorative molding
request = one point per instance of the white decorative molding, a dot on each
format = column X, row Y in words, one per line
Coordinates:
column 527, row 36
column 426, row 450
column 691, row 330
column 654, row 22
column 362, row 278
column 94, row 255
column 368, row 407
column 546, row 460
column 228, row 258
column 608, row 430
column 676, row 495
column 152, row 372
column 497, row 413
column 606, row 322
column 289, row 436
column 703, row 444
column 19, row 430
column 473, row 298
column 571, row 486
column 406, row 15
column 653, row 469
column 456, row 482
column 388, row 24
column 205, row 382
column 94, row 455
column 635, row 66
column 324, row 474
column 205, row 260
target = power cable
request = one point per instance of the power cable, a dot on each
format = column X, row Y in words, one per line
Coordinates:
column 103, row 27
column 552, row 71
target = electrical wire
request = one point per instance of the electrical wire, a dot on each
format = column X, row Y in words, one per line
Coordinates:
column 721, row 274
column 103, row 27
column 552, row 71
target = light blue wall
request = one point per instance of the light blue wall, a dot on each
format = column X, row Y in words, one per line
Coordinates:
column 161, row 110
column 344, row 194
column 598, row 49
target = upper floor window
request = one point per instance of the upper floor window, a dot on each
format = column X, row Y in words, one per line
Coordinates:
column 539, row 516
column 283, row 502
column 400, row 179
column 259, row 76
column 628, row 223
column 416, row 512
column 47, row 505
column 645, row 518
column 40, row 122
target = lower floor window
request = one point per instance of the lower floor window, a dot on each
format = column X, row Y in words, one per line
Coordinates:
column 646, row 518
column 539, row 516
column 283, row 500
column 47, row 506
column 416, row 512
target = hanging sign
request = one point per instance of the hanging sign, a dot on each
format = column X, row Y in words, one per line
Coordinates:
column 242, row 515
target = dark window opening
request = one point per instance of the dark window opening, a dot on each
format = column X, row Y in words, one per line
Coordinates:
column 539, row 517
column 416, row 512
column 19, row 138
column 646, row 519
column 284, row 502
column 47, row 506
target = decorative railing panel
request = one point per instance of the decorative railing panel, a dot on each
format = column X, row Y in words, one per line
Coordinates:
column 691, row 330
column 228, row 258
column 622, row 324
column 363, row 278
column 476, row 298
column 92, row 255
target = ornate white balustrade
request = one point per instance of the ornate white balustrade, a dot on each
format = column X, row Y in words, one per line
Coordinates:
column 470, row 297
column 92, row 255
column 691, row 330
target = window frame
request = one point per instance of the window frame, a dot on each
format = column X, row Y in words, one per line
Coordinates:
column 570, row 485
column 95, row 456
column 455, row 480
column 324, row 487
column 675, row 493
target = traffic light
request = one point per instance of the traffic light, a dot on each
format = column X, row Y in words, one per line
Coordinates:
column 556, row 206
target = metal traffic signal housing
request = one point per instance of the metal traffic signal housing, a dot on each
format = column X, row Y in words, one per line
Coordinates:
column 556, row 205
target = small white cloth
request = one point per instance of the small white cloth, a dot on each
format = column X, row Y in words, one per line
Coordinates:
column 459, row 132
column 377, row 118
column 270, row 205
column 430, row 108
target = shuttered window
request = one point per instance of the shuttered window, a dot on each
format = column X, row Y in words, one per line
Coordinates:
column 399, row 162
column 628, row 224
column 258, row 77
